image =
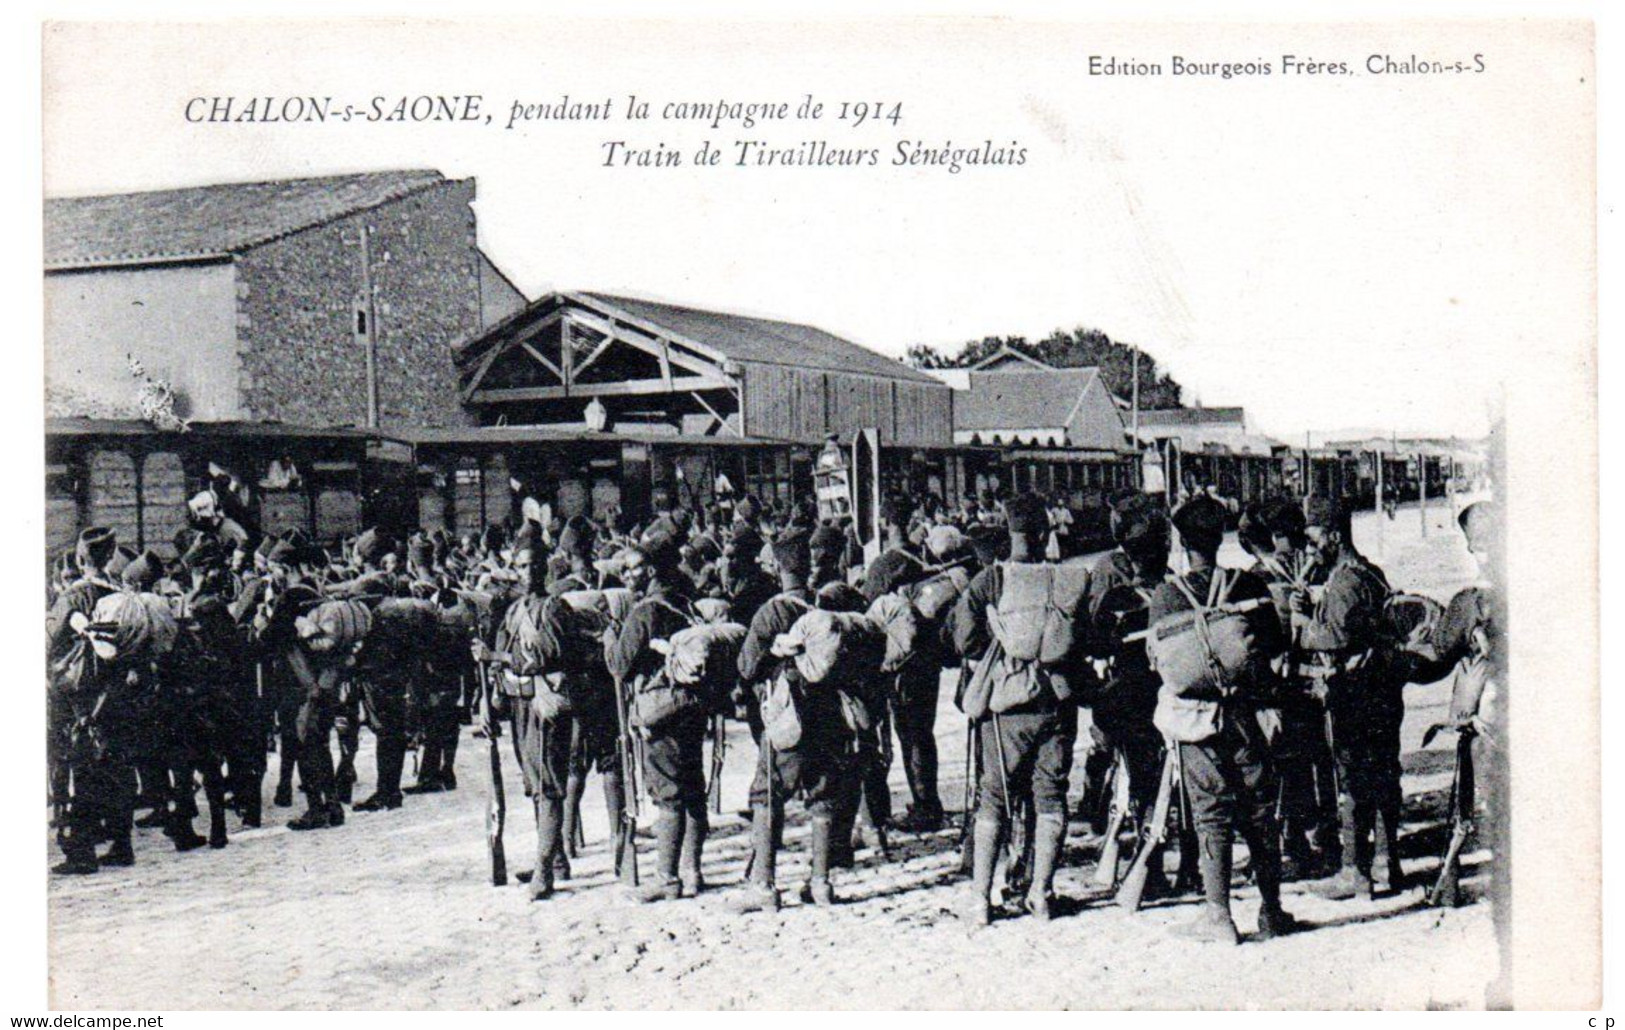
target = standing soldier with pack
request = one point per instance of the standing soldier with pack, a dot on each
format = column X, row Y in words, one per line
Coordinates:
column 540, row 685
column 1120, row 589
column 811, row 765
column 674, row 753
column 594, row 743
column 1026, row 620
column 1213, row 636
column 1342, row 634
column 912, row 689
column 72, row 692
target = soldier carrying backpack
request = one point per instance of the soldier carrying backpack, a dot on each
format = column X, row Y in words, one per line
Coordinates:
column 1025, row 620
column 795, row 658
column 1213, row 634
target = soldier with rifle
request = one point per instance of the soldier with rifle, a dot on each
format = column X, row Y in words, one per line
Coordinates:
column 1120, row 589
column 543, row 685
column 595, row 733
column 1026, row 620
column 912, row 692
column 812, row 767
column 674, row 753
column 1273, row 532
column 1212, row 639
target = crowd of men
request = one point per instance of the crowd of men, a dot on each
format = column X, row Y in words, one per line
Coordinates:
column 1273, row 692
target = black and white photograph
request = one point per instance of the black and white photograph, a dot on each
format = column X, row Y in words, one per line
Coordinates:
column 827, row 513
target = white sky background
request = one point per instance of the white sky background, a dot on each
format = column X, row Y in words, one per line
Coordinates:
column 1328, row 252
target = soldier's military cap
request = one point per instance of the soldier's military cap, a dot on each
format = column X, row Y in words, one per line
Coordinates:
column 748, row 508
column 143, row 572
column 372, row 545
column 826, row 539
column 203, row 554
column 96, row 545
column 1200, row 522
column 897, row 509
column 578, row 537
column 492, row 538
column 792, row 552
column 282, row 552
column 661, row 547
column 990, row 543
column 1137, row 516
column 1026, row 514
column 1325, row 513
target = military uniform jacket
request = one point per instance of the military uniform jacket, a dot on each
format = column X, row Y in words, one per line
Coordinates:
column 1345, row 626
column 1119, row 605
column 967, row 630
column 657, row 616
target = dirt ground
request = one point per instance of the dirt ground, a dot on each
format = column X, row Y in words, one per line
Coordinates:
column 395, row 910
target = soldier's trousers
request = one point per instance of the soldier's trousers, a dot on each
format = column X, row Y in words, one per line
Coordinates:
column 315, row 725
column 914, row 706
column 1122, row 716
column 1231, row 788
column 674, row 763
column 103, row 780
column 385, row 702
column 1304, row 766
column 542, row 747
column 814, row 770
column 442, row 724
column 1033, row 747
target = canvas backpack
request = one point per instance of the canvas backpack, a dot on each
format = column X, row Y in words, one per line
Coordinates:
column 895, row 615
column 135, row 627
column 1032, row 624
column 705, row 659
column 935, row 596
column 1201, row 653
column 838, row 650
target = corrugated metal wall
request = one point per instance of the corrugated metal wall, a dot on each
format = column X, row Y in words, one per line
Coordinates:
column 807, row 404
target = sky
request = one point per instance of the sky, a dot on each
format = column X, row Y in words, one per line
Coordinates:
column 1328, row 251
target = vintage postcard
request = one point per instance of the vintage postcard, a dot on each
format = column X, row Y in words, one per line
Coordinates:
column 906, row 513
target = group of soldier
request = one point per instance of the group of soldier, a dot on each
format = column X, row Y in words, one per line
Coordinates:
column 565, row 636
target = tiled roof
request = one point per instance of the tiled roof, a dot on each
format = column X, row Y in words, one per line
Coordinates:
column 209, row 221
column 765, row 340
column 1193, row 417
column 1025, row 400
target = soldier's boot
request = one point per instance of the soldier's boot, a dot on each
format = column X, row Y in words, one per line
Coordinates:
column 283, row 798
column 760, row 893
column 985, row 856
column 1350, row 880
column 1049, row 833
column 1263, row 846
column 179, row 830
column 614, row 802
column 120, row 852
column 251, row 801
column 692, row 868
column 318, row 813
column 574, row 787
column 549, row 822
column 1387, row 843
column 428, row 781
column 1213, row 924
column 819, row 892
column 77, row 863
column 391, row 761
column 667, row 886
